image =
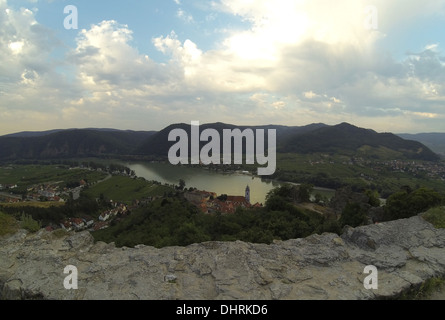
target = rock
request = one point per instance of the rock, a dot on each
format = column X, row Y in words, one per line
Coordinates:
column 405, row 252
column 80, row 240
column 170, row 278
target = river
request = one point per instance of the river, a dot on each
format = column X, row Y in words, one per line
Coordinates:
column 202, row 179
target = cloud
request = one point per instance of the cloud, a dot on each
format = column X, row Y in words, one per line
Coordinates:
column 291, row 62
column 30, row 88
column 24, row 44
column 188, row 18
column 105, row 58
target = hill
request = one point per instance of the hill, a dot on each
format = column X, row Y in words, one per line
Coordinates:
column 70, row 143
column 158, row 144
column 351, row 140
column 435, row 141
column 344, row 139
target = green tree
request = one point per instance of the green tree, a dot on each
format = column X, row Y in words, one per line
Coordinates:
column 407, row 203
column 188, row 233
column 305, row 191
column 28, row 223
column 374, row 197
column 319, row 198
column 353, row 215
column 181, row 184
column 276, row 203
column 7, row 224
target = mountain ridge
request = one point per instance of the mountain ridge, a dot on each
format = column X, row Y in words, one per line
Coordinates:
column 343, row 138
column 434, row 140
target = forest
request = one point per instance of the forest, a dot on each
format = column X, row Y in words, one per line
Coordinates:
column 172, row 220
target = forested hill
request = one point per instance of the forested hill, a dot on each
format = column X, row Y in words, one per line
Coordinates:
column 71, row 143
column 339, row 139
column 159, row 145
column 348, row 139
column 435, row 141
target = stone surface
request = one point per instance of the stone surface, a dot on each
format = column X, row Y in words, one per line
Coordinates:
column 406, row 253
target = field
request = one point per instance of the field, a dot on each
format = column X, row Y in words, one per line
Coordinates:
column 28, row 175
column 126, row 189
column 118, row 188
column 35, row 204
column 334, row 170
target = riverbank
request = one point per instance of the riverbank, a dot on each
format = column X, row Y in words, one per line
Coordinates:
column 221, row 182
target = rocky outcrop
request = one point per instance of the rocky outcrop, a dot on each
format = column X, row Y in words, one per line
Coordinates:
column 405, row 252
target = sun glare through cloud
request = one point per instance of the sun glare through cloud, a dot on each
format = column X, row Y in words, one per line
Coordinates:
column 319, row 60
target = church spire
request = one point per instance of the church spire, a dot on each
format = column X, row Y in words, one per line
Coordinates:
column 248, row 194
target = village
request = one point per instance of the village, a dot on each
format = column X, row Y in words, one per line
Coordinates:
column 58, row 193
column 209, row 202
column 119, row 210
column 434, row 170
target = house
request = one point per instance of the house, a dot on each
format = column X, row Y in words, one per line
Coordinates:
column 66, row 225
column 197, row 197
column 89, row 222
column 77, row 223
column 100, row 225
column 104, row 216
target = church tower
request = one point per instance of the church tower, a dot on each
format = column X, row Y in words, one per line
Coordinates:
column 248, row 194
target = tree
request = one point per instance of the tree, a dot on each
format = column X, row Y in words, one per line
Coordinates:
column 407, row 203
column 374, row 197
column 181, row 184
column 28, row 223
column 276, row 203
column 304, row 192
column 285, row 191
column 353, row 215
column 188, row 233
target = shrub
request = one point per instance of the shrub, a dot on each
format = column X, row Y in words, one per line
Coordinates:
column 7, row 224
column 28, row 223
column 436, row 216
column 407, row 203
column 353, row 215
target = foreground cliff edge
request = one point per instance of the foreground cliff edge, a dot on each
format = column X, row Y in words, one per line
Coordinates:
column 405, row 252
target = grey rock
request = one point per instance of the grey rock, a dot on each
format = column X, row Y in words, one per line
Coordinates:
column 406, row 253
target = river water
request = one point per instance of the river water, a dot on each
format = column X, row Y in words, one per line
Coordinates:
column 221, row 183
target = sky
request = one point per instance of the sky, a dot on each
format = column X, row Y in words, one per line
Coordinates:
column 143, row 65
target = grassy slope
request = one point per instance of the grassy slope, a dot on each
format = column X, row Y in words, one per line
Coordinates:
column 125, row 189
column 27, row 175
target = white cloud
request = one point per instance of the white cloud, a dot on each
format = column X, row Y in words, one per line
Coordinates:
column 29, row 84
column 188, row 18
column 296, row 62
